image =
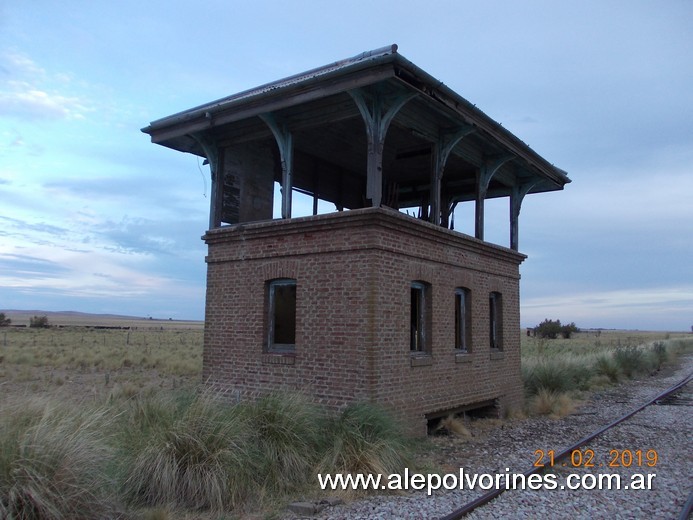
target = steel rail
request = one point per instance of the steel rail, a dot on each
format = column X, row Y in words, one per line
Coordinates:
column 490, row 495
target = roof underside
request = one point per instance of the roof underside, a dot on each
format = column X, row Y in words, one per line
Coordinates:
column 329, row 134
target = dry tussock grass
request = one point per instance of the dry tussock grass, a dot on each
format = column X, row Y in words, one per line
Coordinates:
column 455, row 426
column 552, row 403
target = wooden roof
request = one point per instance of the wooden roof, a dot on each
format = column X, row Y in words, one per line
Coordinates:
column 318, row 108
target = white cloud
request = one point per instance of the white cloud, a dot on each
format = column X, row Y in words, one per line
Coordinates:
column 16, row 63
column 29, row 92
column 27, row 102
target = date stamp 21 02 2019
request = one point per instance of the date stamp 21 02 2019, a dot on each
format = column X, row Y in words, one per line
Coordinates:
column 587, row 458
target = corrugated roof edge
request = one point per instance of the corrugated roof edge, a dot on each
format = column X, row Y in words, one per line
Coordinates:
column 388, row 50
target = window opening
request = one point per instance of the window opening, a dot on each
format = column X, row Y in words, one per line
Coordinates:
column 463, row 319
column 419, row 317
column 282, row 315
column 496, row 320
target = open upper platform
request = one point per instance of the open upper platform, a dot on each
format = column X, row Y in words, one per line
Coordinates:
column 372, row 130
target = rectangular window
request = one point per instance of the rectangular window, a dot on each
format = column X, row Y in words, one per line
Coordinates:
column 463, row 319
column 282, row 315
column 420, row 317
column 496, row 320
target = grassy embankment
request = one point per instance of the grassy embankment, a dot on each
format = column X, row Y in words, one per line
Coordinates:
column 104, row 422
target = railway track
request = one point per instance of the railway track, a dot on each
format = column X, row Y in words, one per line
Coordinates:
column 670, row 396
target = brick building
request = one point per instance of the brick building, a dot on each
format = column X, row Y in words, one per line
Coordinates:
column 364, row 302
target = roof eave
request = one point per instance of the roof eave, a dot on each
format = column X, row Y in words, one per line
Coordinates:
column 360, row 70
column 366, row 60
column 444, row 94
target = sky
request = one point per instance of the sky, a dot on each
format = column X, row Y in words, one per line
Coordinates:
column 96, row 218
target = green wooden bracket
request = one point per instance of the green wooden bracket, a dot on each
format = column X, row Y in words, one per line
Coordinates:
column 516, row 196
column 377, row 119
column 441, row 151
column 490, row 167
column 211, row 152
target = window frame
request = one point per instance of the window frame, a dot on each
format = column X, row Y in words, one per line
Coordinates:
column 271, row 316
column 496, row 320
column 420, row 334
column 463, row 320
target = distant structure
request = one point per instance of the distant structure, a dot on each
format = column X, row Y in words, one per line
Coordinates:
column 369, row 303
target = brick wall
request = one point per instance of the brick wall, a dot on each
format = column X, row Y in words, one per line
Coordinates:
column 353, row 273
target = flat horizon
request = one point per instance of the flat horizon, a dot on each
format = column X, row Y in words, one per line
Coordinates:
column 25, row 314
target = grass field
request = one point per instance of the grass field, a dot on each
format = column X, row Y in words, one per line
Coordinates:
column 556, row 371
column 120, row 412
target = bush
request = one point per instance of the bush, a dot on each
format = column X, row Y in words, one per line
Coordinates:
column 548, row 329
column 286, row 432
column 547, row 374
column 568, row 330
column 4, row 321
column 659, row 354
column 551, row 329
column 52, row 463
column 202, row 460
column 364, row 438
column 39, row 322
column 607, row 366
column 631, row 360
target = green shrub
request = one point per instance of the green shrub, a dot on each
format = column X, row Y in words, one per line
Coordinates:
column 660, row 354
column 568, row 330
column 364, row 438
column 53, row 463
column 202, row 460
column 607, row 366
column 39, row 322
column 551, row 329
column 549, row 374
column 631, row 360
column 286, row 432
column 548, row 329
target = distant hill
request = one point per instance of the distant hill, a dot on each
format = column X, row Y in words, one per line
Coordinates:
column 73, row 318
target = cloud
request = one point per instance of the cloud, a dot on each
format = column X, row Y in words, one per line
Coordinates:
column 24, row 101
column 16, row 63
column 25, row 97
column 30, row 267
column 24, row 225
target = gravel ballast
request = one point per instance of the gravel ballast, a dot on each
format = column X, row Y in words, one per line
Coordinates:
column 511, row 446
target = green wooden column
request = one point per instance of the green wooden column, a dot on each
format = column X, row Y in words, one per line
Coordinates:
column 441, row 151
column 377, row 110
column 286, row 153
column 483, row 177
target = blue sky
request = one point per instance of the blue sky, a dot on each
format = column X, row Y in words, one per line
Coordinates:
column 95, row 218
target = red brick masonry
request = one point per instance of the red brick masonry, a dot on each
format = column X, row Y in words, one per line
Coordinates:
column 353, row 273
